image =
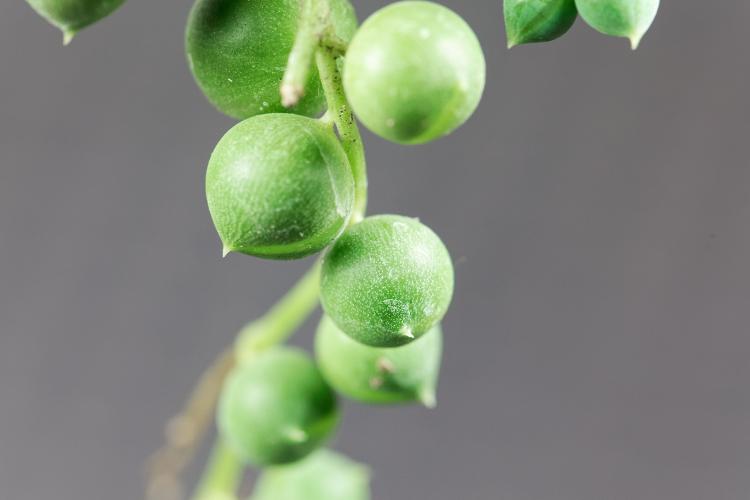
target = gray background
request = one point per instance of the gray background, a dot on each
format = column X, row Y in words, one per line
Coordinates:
column 597, row 207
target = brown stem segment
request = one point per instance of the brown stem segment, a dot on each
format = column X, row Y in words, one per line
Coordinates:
column 185, row 431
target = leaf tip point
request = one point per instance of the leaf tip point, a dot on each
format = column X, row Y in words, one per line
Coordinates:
column 428, row 398
column 635, row 40
column 68, row 37
column 407, row 332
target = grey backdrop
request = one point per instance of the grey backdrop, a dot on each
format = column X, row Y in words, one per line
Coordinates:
column 597, row 207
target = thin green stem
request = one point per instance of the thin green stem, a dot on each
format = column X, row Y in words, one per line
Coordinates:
column 222, row 475
column 281, row 321
column 351, row 140
column 331, row 41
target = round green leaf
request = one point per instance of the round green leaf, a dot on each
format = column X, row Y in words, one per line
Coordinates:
column 279, row 186
column 380, row 375
column 531, row 21
column 276, row 408
column 626, row 18
column 238, row 51
column 414, row 72
column 387, row 281
column 70, row 16
column 324, row 475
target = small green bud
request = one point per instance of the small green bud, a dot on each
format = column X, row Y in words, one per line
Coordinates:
column 626, row 18
column 414, row 72
column 531, row 21
column 277, row 408
column 238, row 50
column 279, row 186
column 70, row 16
column 387, row 281
column 379, row 375
column 324, row 475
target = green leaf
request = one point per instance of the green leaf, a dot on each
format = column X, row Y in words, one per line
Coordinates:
column 380, row 375
column 73, row 15
column 325, row 475
column 387, row 281
column 279, row 186
column 531, row 21
column 414, row 72
column 630, row 19
column 277, row 409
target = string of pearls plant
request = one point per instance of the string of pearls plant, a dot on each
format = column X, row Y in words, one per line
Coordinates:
column 290, row 181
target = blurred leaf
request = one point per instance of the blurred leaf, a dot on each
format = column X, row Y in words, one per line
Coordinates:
column 325, row 475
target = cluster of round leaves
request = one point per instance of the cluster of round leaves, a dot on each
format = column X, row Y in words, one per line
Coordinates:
column 386, row 284
column 279, row 185
column 530, row 21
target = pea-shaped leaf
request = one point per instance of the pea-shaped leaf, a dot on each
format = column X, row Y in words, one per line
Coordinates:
column 626, row 18
column 387, row 281
column 238, row 51
column 414, row 72
column 531, row 21
column 324, row 475
column 379, row 375
column 279, row 186
column 277, row 408
column 70, row 16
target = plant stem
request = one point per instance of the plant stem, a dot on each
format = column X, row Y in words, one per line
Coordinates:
column 316, row 37
column 222, row 475
column 313, row 22
column 330, row 40
column 184, row 432
column 280, row 322
column 346, row 125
